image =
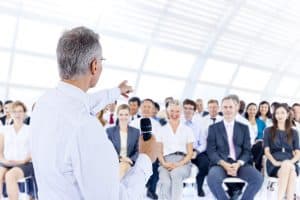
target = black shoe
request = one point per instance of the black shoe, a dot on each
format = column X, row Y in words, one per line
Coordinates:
column 235, row 194
column 201, row 193
column 151, row 195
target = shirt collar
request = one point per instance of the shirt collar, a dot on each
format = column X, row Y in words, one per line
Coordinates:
column 228, row 124
column 74, row 92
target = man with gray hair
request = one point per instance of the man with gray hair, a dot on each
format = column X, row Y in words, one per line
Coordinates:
column 72, row 156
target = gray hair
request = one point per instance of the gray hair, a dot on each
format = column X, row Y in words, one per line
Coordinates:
column 233, row 97
column 76, row 49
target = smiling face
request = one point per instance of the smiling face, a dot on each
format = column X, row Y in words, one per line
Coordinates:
column 174, row 112
column 229, row 109
column 123, row 115
column 147, row 108
column 18, row 114
column 252, row 110
column 281, row 114
column 264, row 108
column 213, row 109
column 188, row 111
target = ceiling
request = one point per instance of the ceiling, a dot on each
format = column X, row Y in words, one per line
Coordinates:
column 181, row 48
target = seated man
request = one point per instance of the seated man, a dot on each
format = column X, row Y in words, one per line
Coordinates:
column 229, row 151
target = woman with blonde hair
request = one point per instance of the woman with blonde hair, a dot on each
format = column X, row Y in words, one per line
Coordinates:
column 15, row 158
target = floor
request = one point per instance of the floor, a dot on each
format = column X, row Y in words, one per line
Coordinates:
column 189, row 193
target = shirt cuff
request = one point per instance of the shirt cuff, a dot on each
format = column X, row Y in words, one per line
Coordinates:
column 144, row 163
column 241, row 162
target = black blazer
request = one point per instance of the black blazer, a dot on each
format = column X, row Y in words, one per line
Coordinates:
column 218, row 147
column 132, row 140
column 3, row 119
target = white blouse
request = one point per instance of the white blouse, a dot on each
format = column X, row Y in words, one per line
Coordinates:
column 16, row 145
column 173, row 142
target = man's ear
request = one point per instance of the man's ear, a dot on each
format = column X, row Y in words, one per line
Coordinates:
column 93, row 66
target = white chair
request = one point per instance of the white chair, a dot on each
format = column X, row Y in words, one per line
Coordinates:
column 233, row 180
column 272, row 182
column 191, row 180
column 27, row 189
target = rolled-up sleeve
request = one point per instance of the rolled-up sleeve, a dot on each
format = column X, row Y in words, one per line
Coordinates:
column 98, row 100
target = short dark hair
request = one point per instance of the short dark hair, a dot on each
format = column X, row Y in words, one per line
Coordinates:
column 275, row 104
column 295, row 104
column 156, row 105
column 135, row 99
column 148, row 100
column 8, row 102
column 190, row 102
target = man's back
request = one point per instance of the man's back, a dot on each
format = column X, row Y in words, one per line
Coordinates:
column 72, row 157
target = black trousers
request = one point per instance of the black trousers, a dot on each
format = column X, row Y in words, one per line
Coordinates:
column 152, row 182
column 257, row 153
column 202, row 163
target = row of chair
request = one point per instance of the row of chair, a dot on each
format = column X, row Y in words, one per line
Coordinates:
column 272, row 182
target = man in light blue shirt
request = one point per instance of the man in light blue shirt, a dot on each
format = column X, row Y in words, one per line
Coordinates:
column 72, row 156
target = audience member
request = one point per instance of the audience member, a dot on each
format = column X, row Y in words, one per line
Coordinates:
column 264, row 113
column 176, row 150
column 229, row 151
column 125, row 139
column 15, row 155
column 281, row 143
column 134, row 105
column 257, row 126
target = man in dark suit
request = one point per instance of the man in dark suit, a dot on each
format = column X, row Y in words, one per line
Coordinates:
column 7, row 119
column 229, row 152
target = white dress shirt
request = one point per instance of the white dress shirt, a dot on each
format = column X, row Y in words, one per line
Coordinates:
column 200, row 139
column 229, row 130
column 243, row 120
column 16, row 145
column 173, row 142
column 123, row 138
column 72, row 157
column 205, row 123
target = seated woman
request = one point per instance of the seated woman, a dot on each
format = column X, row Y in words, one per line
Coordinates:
column 125, row 139
column 175, row 141
column 15, row 155
column 258, row 127
column 281, row 143
column 264, row 113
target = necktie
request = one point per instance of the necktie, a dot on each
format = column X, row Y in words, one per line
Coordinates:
column 111, row 118
column 213, row 119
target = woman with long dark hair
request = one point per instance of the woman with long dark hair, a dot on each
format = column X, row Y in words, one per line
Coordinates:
column 281, row 143
column 257, row 125
column 264, row 113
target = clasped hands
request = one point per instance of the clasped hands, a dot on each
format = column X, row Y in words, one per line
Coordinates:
column 171, row 165
column 231, row 168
